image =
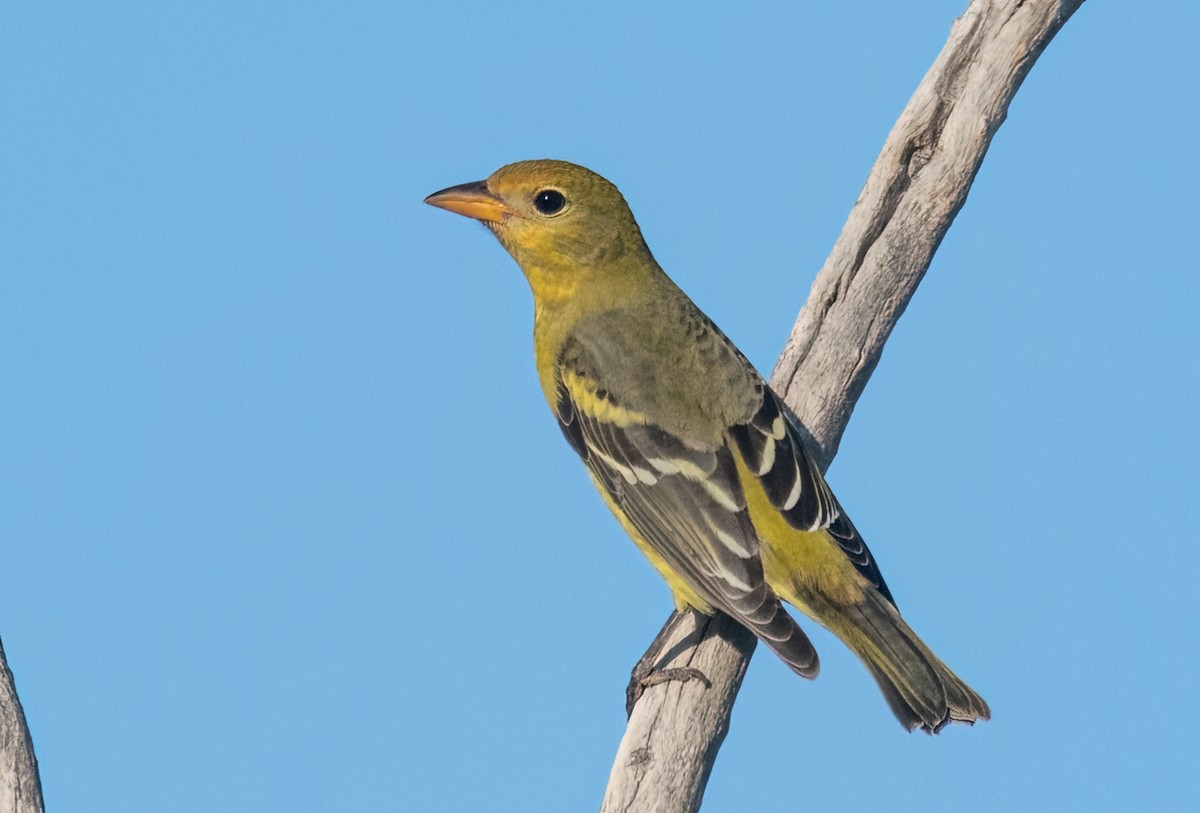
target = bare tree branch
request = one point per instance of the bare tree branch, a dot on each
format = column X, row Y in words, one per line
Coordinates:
column 917, row 186
column 20, row 786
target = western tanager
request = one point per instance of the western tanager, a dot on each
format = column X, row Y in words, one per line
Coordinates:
column 699, row 460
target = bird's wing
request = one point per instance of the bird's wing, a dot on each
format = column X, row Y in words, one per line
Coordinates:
column 687, row 505
column 772, row 447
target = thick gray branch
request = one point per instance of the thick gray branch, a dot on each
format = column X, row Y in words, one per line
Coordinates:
column 917, row 186
column 20, row 786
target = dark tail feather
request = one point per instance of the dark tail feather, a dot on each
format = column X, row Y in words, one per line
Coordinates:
column 921, row 690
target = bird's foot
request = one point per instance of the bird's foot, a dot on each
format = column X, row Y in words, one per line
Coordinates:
column 643, row 677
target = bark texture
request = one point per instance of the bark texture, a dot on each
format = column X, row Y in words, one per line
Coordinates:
column 916, row 187
column 20, row 786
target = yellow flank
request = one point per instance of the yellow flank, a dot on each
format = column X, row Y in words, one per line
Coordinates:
column 796, row 562
column 684, row 596
column 584, row 393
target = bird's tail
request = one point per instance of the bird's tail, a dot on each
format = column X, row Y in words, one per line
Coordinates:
column 921, row 690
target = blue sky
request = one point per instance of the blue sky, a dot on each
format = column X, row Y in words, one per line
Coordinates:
column 286, row 525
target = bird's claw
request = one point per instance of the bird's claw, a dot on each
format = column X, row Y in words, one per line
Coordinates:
column 643, row 678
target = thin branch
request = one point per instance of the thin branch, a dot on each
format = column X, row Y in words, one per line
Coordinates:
column 917, row 186
column 20, row 785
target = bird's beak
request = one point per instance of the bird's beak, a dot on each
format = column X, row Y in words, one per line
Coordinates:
column 471, row 199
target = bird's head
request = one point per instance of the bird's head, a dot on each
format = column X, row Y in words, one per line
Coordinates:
column 562, row 223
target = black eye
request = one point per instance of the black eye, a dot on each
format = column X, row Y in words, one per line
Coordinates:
column 549, row 201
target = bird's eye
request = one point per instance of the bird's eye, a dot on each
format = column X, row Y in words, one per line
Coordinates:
column 549, row 201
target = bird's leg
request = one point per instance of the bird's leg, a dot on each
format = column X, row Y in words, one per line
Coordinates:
column 647, row 672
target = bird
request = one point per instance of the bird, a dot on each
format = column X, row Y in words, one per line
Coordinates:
column 701, row 462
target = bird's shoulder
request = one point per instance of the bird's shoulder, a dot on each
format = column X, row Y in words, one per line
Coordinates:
column 661, row 362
